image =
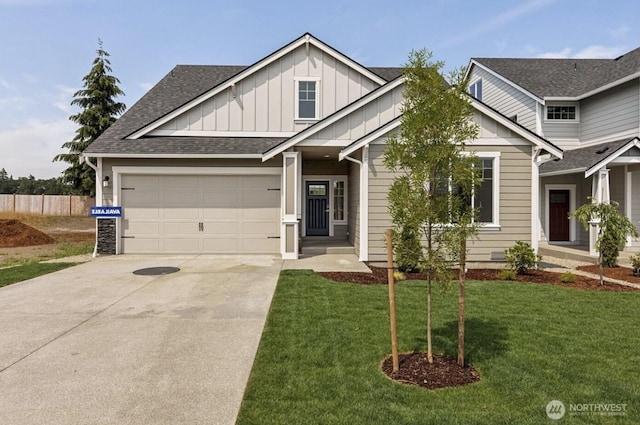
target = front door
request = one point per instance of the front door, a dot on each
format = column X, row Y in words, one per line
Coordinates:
column 559, row 215
column 317, row 208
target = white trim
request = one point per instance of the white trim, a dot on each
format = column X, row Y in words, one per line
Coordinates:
column 174, row 155
column 99, row 176
column 220, row 133
column 532, row 137
column 504, row 80
column 296, row 82
column 561, row 173
column 628, row 198
column 325, row 142
column 495, row 187
column 331, row 179
column 593, row 169
column 535, row 198
column 309, row 131
column 572, row 206
column 368, row 138
column 195, row 171
column 290, row 218
column 487, row 141
column 364, row 205
column 575, row 120
column 306, row 38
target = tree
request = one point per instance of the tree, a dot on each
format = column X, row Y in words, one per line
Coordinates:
column 433, row 173
column 98, row 111
column 613, row 229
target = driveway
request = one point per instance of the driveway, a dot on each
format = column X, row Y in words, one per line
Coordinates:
column 96, row 344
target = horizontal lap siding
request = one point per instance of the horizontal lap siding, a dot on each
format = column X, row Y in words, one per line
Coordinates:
column 353, row 210
column 515, row 203
column 505, row 98
column 613, row 112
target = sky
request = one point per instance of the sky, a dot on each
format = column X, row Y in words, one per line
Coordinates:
column 47, row 46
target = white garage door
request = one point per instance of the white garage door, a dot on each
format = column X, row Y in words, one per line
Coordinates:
column 200, row 214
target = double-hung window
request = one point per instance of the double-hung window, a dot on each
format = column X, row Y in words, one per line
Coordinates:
column 307, row 102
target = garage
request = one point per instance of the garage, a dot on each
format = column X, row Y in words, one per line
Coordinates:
column 212, row 214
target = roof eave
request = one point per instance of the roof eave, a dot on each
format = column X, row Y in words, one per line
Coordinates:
column 603, row 163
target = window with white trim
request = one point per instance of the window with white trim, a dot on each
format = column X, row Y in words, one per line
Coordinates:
column 307, row 105
column 562, row 113
column 338, row 200
column 475, row 90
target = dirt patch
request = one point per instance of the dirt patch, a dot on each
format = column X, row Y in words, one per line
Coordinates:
column 379, row 277
column 14, row 233
column 620, row 273
column 415, row 369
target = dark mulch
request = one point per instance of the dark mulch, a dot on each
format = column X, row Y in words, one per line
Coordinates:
column 414, row 369
column 620, row 273
column 379, row 277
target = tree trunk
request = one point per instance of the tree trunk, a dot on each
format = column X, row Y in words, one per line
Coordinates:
column 429, row 348
column 461, row 282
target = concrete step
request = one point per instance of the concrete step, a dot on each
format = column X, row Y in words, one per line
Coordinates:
column 319, row 250
column 566, row 254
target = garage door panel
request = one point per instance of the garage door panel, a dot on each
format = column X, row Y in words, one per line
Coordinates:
column 238, row 214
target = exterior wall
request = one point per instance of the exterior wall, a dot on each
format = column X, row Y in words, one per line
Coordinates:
column 506, row 99
column 615, row 112
column 582, row 192
column 353, row 211
column 323, row 167
column 366, row 119
column 514, row 194
column 265, row 100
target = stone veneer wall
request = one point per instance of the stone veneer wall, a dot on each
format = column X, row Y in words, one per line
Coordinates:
column 106, row 236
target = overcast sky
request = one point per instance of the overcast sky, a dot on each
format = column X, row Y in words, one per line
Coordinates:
column 47, row 46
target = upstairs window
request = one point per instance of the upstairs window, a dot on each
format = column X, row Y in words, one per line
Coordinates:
column 307, row 100
column 475, row 90
column 561, row 113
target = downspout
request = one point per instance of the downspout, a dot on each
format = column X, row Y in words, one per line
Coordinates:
column 85, row 159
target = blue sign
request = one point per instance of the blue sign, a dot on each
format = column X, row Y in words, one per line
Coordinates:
column 106, row 212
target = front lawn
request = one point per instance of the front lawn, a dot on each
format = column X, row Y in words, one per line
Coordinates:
column 318, row 361
column 15, row 274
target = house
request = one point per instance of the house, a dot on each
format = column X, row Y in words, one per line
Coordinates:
column 261, row 158
column 590, row 108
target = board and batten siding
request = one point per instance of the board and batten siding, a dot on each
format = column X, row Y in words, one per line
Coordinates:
column 514, row 194
column 265, row 100
column 505, row 98
column 614, row 112
column 365, row 119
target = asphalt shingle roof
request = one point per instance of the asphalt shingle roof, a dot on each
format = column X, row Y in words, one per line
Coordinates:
column 584, row 158
column 181, row 85
column 563, row 77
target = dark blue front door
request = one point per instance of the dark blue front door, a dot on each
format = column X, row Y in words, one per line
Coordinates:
column 317, row 208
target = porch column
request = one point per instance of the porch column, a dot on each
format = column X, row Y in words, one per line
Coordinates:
column 364, row 205
column 600, row 194
column 535, row 199
column 290, row 205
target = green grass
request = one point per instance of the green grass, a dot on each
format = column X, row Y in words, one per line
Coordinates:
column 28, row 271
column 318, row 361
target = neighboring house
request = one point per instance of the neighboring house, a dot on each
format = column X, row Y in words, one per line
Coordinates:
column 588, row 107
column 256, row 159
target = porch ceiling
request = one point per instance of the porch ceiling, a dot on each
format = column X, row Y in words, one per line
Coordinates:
column 320, row 152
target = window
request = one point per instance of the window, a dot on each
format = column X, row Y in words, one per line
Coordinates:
column 483, row 197
column 307, row 103
column 338, row 200
column 317, row 190
column 475, row 90
column 561, row 112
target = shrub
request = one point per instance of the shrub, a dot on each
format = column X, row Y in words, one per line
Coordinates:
column 408, row 250
column 610, row 245
column 635, row 264
column 507, row 274
column 567, row 277
column 521, row 257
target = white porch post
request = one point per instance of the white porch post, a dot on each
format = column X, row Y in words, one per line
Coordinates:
column 535, row 200
column 364, row 205
column 600, row 194
column 290, row 205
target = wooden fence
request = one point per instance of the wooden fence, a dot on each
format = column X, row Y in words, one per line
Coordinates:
column 68, row 205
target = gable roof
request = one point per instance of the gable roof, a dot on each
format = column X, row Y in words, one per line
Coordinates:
column 331, row 119
column 589, row 159
column 564, row 78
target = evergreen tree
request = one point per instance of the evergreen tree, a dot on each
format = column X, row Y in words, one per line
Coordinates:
column 99, row 110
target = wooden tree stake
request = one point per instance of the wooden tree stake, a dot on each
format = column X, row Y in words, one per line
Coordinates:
column 392, row 301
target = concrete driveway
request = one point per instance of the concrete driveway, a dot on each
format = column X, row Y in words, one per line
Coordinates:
column 96, row 344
